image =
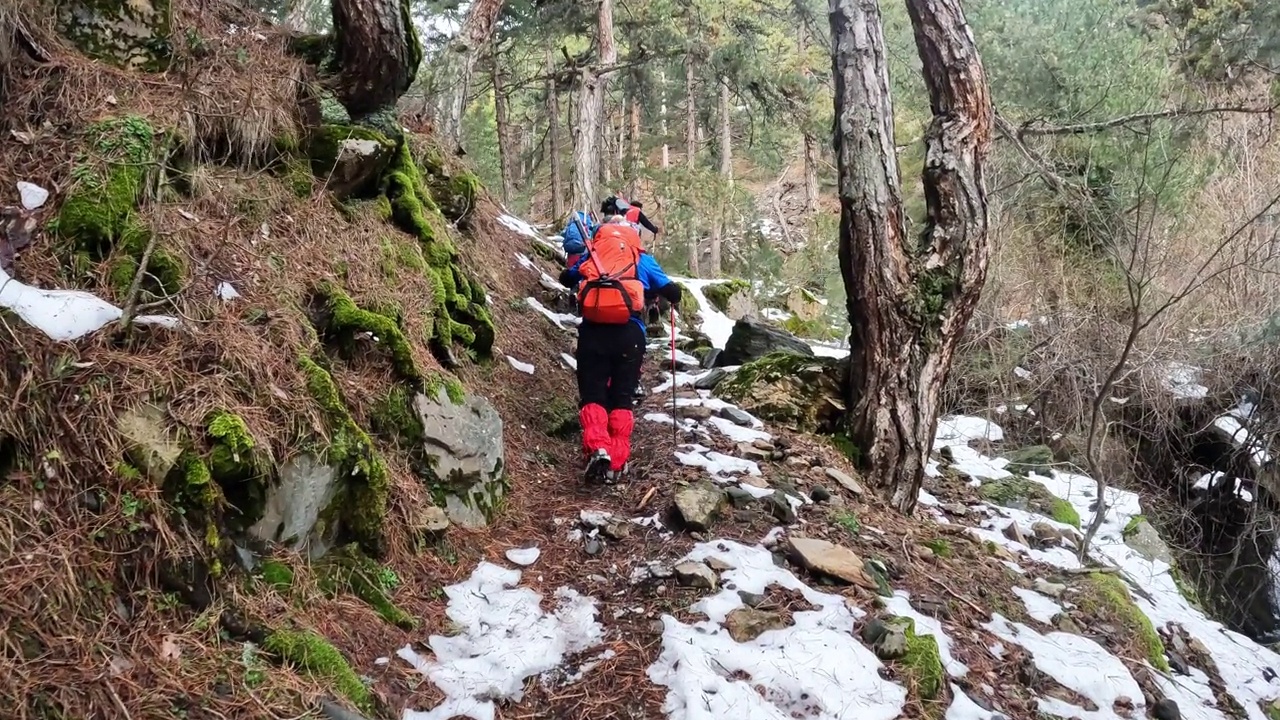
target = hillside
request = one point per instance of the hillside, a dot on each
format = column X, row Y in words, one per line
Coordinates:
column 290, row 431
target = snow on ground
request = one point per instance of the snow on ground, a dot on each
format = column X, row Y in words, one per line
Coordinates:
column 503, row 638
column 524, row 367
column 715, row 324
column 1040, row 607
column 813, row 669
column 564, row 321
column 66, row 315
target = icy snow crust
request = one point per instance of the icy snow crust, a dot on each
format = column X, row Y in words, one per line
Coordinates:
column 816, row 669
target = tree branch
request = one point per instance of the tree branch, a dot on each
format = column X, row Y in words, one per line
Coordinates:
column 1036, row 127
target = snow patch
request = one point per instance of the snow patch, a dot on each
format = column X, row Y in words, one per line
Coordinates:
column 66, row 315
column 523, row 367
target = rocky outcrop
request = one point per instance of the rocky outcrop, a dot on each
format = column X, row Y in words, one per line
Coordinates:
column 128, row 33
column 293, row 507
column 463, row 445
column 350, row 159
column 753, row 339
column 804, row 393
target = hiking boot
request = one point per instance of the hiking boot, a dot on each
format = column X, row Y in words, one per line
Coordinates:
column 613, row 477
column 598, row 468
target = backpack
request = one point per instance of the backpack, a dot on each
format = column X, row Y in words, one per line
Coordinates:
column 575, row 235
column 611, row 292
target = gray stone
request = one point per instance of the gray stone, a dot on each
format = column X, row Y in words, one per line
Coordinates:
column 830, row 559
column 1166, row 709
column 752, row 339
column 718, row 565
column 294, row 504
column 694, row 412
column 151, row 445
column 464, row 444
column 887, row 640
column 845, row 481
column 751, row 452
column 711, row 379
column 735, row 416
column 130, row 34
column 432, row 519
column 739, row 497
column 1051, row 589
column 780, row 507
column 698, row 505
column 1147, row 542
column 746, row 623
column 819, row 494
column 696, row 575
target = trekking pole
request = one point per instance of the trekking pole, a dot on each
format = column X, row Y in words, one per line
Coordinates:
column 675, row 415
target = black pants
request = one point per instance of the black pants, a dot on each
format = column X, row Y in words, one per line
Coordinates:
column 609, row 358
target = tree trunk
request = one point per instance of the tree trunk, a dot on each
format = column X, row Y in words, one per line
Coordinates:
column 662, row 113
column 506, row 149
column 809, row 144
column 690, row 116
column 908, row 300
column 593, row 81
column 553, row 136
column 378, row 53
column 476, row 30
column 726, row 176
column 634, row 162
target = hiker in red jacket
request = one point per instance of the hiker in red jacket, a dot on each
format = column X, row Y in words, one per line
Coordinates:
column 612, row 277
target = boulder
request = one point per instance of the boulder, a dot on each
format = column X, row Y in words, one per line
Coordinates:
column 830, row 559
column 711, row 379
column 753, row 339
column 804, row 393
column 131, row 34
column 696, row 575
column 804, row 304
column 291, row 514
column 463, row 446
column 747, row 623
column 1142, row 537
column 1035, row 458
column 844, row 480
column 735, row 416
column 731, row 297
column 699, row 504
column 348, row 158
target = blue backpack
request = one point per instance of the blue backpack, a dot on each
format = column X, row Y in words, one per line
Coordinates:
column 574, row 241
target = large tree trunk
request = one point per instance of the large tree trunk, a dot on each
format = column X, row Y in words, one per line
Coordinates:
column 476, row 30
column 908, row 300
column 501, row 113
column 634, row 162
column 378, row 52
column 809, row 144
column 662, row 113
column 592, row 83
column 726, row 176
column 553, row 135
column 690, row 116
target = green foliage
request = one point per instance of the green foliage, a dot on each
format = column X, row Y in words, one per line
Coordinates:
column 1109, row 595
column 109, row 178
column 307, row 651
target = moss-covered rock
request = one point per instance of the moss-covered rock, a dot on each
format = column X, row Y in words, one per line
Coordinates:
column 803, row 393
column 128, row 33
column 109, row 177
column 349, row 570
column 307, row 651
column 1036, row 459
column 1107, row 597
column 720, row 294
column 277, row 574
column 350, row 159
column 1020, row 493
column 361, row 505
column 342, row 321
column 923, row 661
column 238, row 467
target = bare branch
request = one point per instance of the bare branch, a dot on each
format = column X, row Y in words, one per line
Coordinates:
column 1036, row 127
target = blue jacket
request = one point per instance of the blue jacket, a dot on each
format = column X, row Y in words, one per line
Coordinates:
column 648, row 271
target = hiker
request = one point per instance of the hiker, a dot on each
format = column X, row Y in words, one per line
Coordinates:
column 614, row 274
column 615, row 205
column 574, row 238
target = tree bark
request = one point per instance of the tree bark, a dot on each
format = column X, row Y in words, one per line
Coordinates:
column 809, row 144
column 502, row 119
column 726, row 176
column 592, row 83
column 908, row 301
column 662, row 113
column 690, row 116
column 377, row 51
column 553, row 136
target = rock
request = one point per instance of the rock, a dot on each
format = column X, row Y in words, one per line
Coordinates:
column 763, row 445
column 780, row 507
column 694, row 412
column 800, row 392
column 746, row 624
column 349, row 158
column 819, row 494
column 1146, row 541
column 432, row 519
column 738, row 497
column 594, row 546
column 711, row 379
column 717, row 564
column 830, row 559
column 1166, row 709
column 1036, row 458
column 751, row 452
column 464, row 444
column 804, row 304
column 293, row 506
column 1051, row 589
column 617, row 530
column 753, row 339
column 1063, row 622
column 750, row 599
column 957, row 509
column 523, row 556
column 1014, row 533
column 735, row 416
column 134, row 34
column 1046, row 533
column 696, row 575
column 151, row 445
column 712, row 356
column 698, row 505
column 887, row 640
column 796, row 461
column 847, row 482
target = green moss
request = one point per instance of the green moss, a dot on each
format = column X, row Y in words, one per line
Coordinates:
column 922, row 661
column 94, row 27
column 559, row 418
column 326, row 145
column 1131, row 527
column 394, row 419
column 109, row 178
column 194, row 494
column 1064, row 512
column 236, row 464
column 771, row 367
column 363, row 504
column 1109, row 596
column 719, row 294
column 939, row 546
column 317, row 657
column 688, row 304
column 346, row 319
column 276, row 574
column 452, row 387
column 1036, row 459
column 165, row 272
column 299, row 179
column 349, row 570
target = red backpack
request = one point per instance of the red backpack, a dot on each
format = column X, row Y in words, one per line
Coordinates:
column 611, row 292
